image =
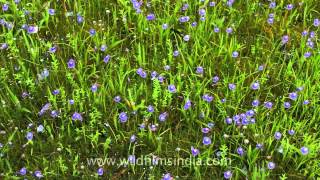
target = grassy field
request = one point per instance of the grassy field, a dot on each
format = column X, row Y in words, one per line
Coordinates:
column 228, row 88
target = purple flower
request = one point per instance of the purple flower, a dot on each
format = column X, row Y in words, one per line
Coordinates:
column 71, row 101
column 270, row 20
column 186, row 38
column 153, row 127
column 205, row 130
column 54, row 113
column 71, row 63
column 268, row 105
column 286, row 105
column 38, row 174
column 106, row 58
column 291, row 132
column 117, row 99
column 216, row 29
column 227, row 174
column 212, row 4
column 167, row 67
column 56, row 92
column 175, row 53
column 235, row 54
column 259, row 146
column 293, row 96
column 161, row 78
column 289, row 7
column 199, row 70
column 206, row 140
column 285, row 39
column 172, row 88
column 164, row 26
column 92, row 32
column 185, row 7
column 33, row 29
column 250, row 113
column 232, row 86
column 3, row 46
column 307, row 54
column 5, row 7
column 271, row 165
column 306, row 102
column 45, row 108
column 304, row 33
column 79, row 19
column 53, row 49
column 94, row 87
column 187, row 105
column 103, row 47
column 123, row 117
column 163, row 116
column 29, row 136
column 229, row 30
column 184, row 19
column 76, row 116
column 194, row 151
column 207, row 97
column 23, row 171
column 51, row 12
column 316, row 22
column 40, row 128
column 202, row 12
column 167, row 177
column 255, row 103
column 240, row 151
column 133, row 138
column 215, row 79
column 132, row 159
column 194, row 24
column 228, row 120
column 150, row 109
column 151, row 17
column 100, row 172
column 272, row 5
column 304, row 150
column 277, row 135
column 255, row 86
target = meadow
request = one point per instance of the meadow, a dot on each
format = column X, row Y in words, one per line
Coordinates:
column 83, row 83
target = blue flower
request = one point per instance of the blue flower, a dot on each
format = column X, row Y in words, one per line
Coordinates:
column 123, row 117
column 151, row 17
column 206, row 140
column 271, row 165
column 76, row 116
column 172, row 88
column 163, row 116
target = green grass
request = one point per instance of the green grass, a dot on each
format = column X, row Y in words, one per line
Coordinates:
column 133, row 42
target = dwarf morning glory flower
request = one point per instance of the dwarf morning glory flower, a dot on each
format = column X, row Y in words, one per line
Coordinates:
column 153, row 127
column 51, row 12
column 216, row 29
column 316, row 22
column 45, row 108
column 150, row 109
column 23, row 171
column 286, row 105
column 307, row 54
column 54, row 113
column 304, row 33
column 56, row 92
column 184, row 19
column 202, row 12
column 259, row 146
column 229, row 30
column 235, row 54
column 272, row 5
column 232, row 86
column 117, row 99
column 53, row 49
column 270, row 20
column 285, row 39
column 175, row 53
column 227, row 174
column 240, row 151
column 228, row 120
column 161, row 78
column 100, row 172
column 133, row 138
column 103, row 47
column 164, row 26
column 167, row 67
column 255, row 86
column 151, row 17
column 304, row 150
column 94, row 87
column 194, row 24
column 71, row 63
column 291, row 132
column 3, row 46
column 123, row 117
column 167, row 177
column 106, row 58
column 277, row 135
column 40, row 128
column 271, row 165
column 163, row 116
column 185, row 7
column 92, row 32
column 268, row 105
column 260, row 68
column 205, row 130
column 289, row 7
column 187, row 105
column 132, row 159
column 76, row 116
column 211, row 125
column 29, row 136
column 38, row 174
column 172, row 88
column 293, row 96
column 5, row 7
column 71, row 101
column 250, row 113
column 215, row 79
column 212, row 4
column 207, row 97
column 306, row 102
column 194, row 151
column 33, row 29
column 199, row 70
column 79, row 19
column 186, row 38
column 206, row 140
column 153, row 74
column 230, row 3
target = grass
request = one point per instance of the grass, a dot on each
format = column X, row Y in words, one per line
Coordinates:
column 62, row 149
